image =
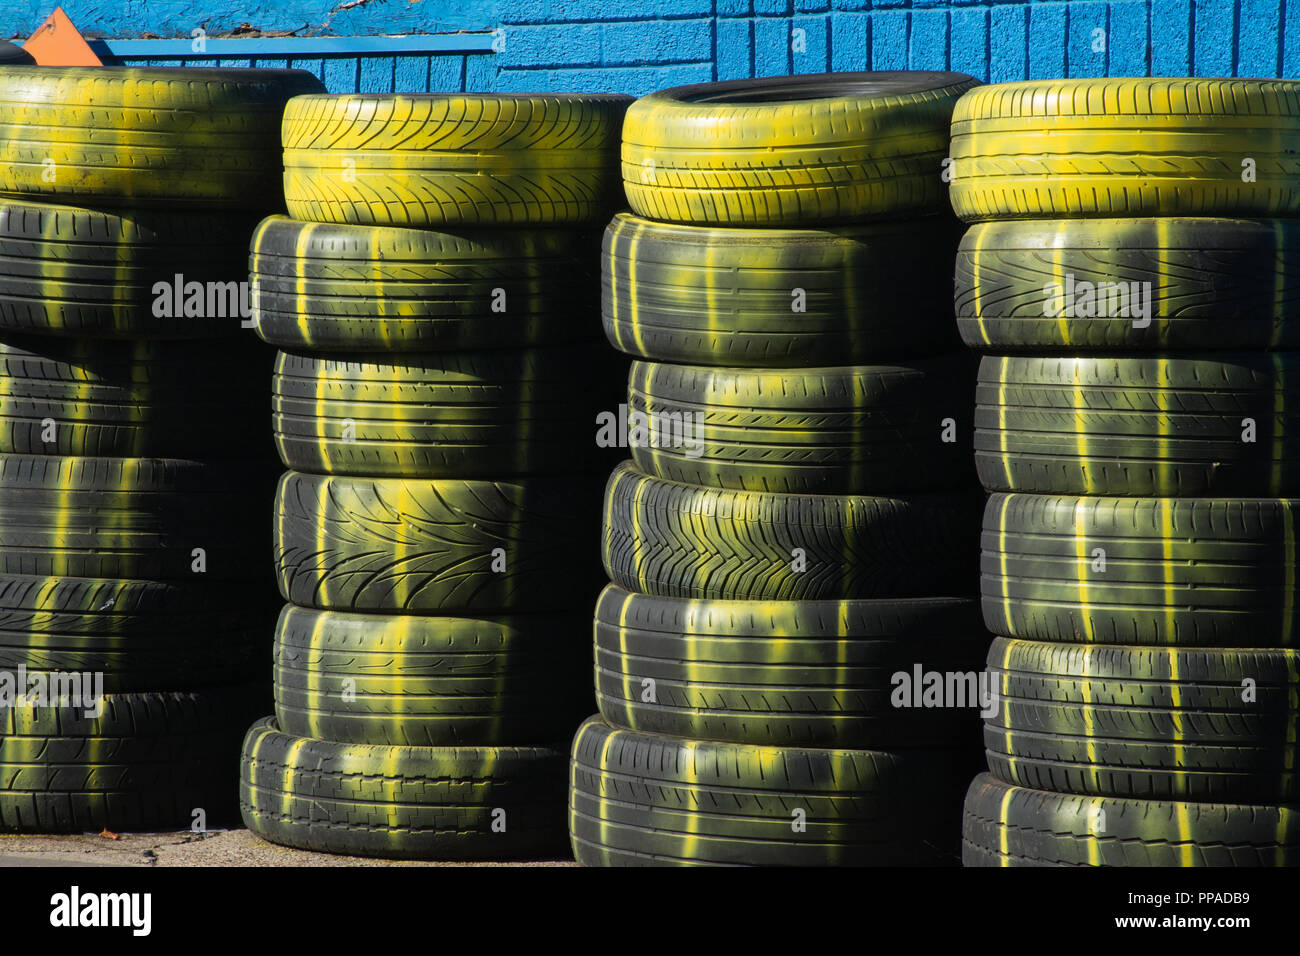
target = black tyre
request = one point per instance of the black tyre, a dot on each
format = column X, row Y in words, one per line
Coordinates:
column 115, row 136
column 430, row 681
column 1156, row 723
column 645, row 800
column 864, row 429
column 429, row 159
column 436, row 803
column 334, row 287
column 140, row 399
column 783, row 673
column 70, row 271
column 678, row 540
column 1125, row 425
column 777, row 298
column 147, row 761
column 792, row 150
column 431, row 545
column 1205, row 572
column 1014, row 826
column 144, row 518
column 505, row 413
column 1213, row 284
column 141, row 635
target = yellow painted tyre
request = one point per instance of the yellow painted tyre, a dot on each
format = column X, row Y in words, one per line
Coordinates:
column 1174, row 283
column 146, row 761
column 433, row 803
column 98, row 274
column 452, row 159
column 673, row 539
column 1154, row 146
column 504, row 413
column 127, row 136
column 1005, row 825
column 431, row 681
column 778, row 298
column 1131, row 425
column 1195, row 572
column 782, row 673
column 331, row 287
column 152, row 518
column 435, row 546
column 1177, row 723
column 791, row 151
column 865, row 429
column 640, row 799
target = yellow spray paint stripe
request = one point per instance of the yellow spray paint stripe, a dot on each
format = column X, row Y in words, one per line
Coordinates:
column 300, row 283
column 1003, row 558
column 1002, row 422
column 1004, row 827
column 625, row 653
column 1181, row 807
column 1083, row 561
column 980, row 231
column 633, row 293
column 1062, row 322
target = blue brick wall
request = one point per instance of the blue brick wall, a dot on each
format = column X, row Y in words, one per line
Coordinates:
column 636, row 46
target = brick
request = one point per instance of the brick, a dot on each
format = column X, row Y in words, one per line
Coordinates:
column 376, row 74
column 1212, row 52
column 446, row 74
column 814, row 57
column 927, row 42
column 1171, row 47
column 411, row 73
column 664, row 41
column 1087, row 29
column 1008, row 43
column 637, row 81
column 555, row 45
column 771, row 46
column 735, row 8
column 849, row 42
column 1291, row 40
column 968, row 47
column 480, row 73
column 1046, row 40
column 771, row 8
column 889, row 39
column 1258, row 30
column 735, row 49
column 315, row 67
column 594, row 11
column 341, row 74
column 1127, row 51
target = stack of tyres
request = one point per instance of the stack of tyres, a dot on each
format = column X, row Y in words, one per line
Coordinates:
column 1133, row 276
column 433, row 297
column 129, row 485
column 794, row 537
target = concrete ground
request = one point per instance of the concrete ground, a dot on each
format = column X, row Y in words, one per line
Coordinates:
column 182, row 848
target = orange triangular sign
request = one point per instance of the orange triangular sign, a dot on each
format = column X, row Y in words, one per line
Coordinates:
column 56, row 42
